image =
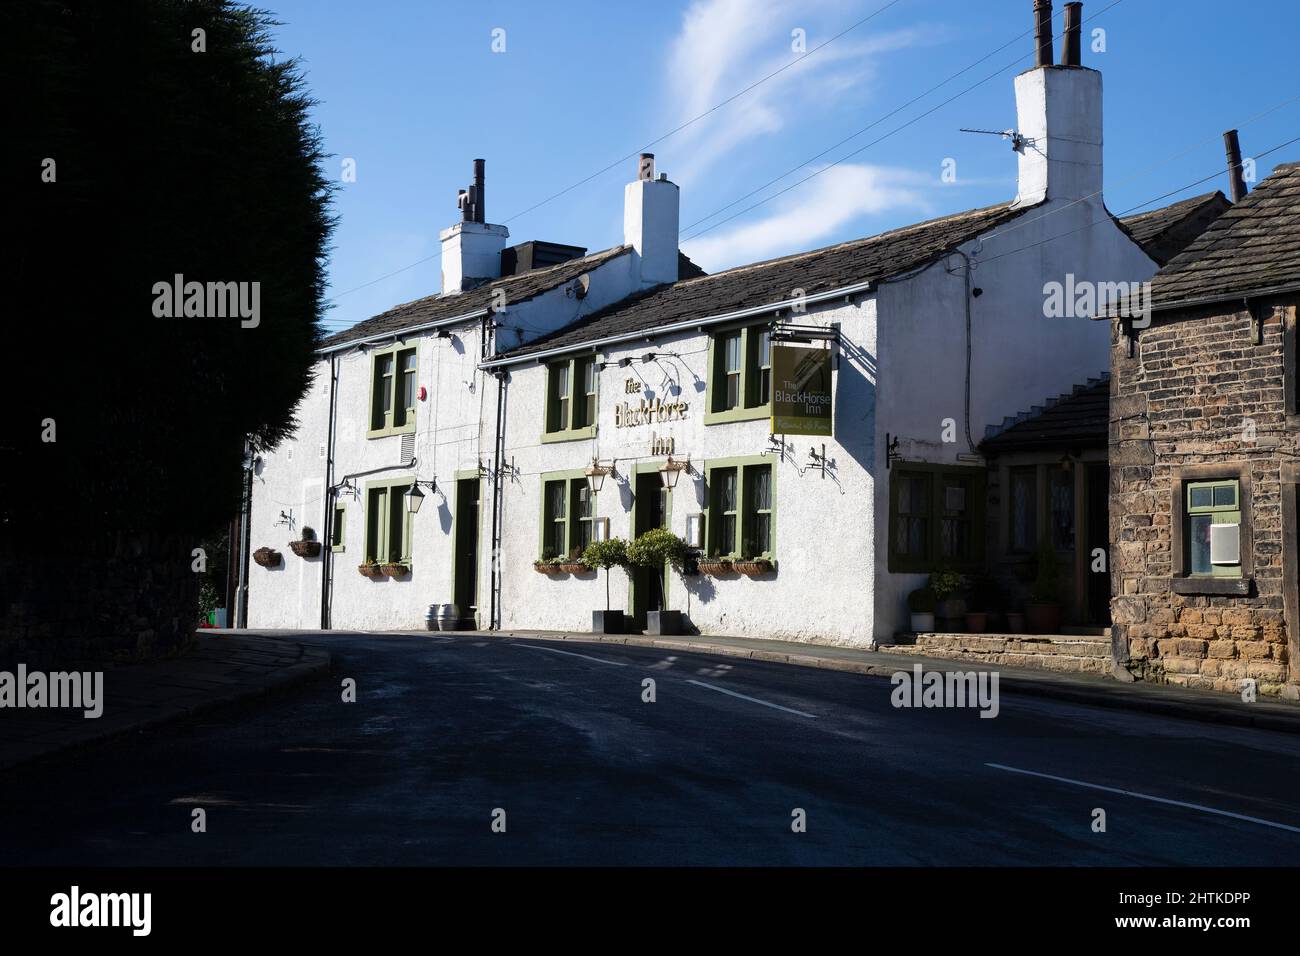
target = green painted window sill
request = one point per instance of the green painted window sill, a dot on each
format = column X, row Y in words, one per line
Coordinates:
column 570, row 434
column 737, row 415
column 408, row 429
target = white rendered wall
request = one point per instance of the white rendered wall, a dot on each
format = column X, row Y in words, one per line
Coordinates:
column 1019, row 357
column 825, row 527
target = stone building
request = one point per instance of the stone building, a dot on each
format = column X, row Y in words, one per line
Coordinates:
column 1203, row 446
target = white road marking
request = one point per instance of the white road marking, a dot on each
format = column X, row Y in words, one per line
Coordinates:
column 554, row 650
column 752, row 700
column 1145, row 796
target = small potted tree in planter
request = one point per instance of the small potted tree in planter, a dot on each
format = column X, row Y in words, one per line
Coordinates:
column 921, row 603
column 654, row 549
column 1043, row 609
column 950, row 607
column 611, row 553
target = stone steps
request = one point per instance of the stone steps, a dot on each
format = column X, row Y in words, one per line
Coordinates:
column 1081, row 654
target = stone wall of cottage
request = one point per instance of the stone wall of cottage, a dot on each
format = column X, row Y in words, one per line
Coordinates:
column 1188, row 396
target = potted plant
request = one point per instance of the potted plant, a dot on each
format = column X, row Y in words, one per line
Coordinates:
column 950, row 606
column 1043, row 609
column 547, row 566
column 1016, row 622
column 572, row 564
column 752, row 567
column 370, row 568
column 611, row 553
column 983, row 603
column 395, row 569
column 308, row 546
column 921, row 603
column 267, row 557
column 714, row 566
column 654, row 549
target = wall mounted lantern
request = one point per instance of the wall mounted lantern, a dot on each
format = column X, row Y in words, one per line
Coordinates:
column 671, row 470
column 415, row 497
column 596, row 474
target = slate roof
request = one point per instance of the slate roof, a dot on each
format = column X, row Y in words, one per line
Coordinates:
column 517, row 288
column 762, row 283
column 1167, row 231
column 1253, row 247
column 1076, row 420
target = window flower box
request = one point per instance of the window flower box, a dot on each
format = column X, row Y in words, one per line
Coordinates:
column 754, row 567
column 371, row 569
column 395, row 569
column 573, row 567
column 267, row 557
column 715, row 566
column 546, row 567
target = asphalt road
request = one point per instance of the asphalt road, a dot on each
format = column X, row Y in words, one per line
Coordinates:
column 446, row 731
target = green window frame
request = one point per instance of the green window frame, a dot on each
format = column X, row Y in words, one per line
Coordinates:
column 568, row 514
column 393, row 374
column 570, row 399
column 1207, row 503
column 388, row 521
column 739, row 386
column 762, row 382
column 936, row 517
column 338, row 527
column 741, row 517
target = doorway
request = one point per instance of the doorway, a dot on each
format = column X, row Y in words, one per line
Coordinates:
column 465, row 548
column 650, row 509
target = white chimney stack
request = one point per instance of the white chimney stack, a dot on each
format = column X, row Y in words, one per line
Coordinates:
column 1058, row 117
column 471, row 249
column 650, row 223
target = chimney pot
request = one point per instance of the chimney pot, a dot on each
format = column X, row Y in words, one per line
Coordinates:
column 1043, row 31
column 646, row 166
column 1236, row 179
column 1071, row 40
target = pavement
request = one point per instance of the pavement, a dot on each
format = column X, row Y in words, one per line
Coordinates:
column 226, row 668
column 617, row 754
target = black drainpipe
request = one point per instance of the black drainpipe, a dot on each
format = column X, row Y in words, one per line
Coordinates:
column 327, row 552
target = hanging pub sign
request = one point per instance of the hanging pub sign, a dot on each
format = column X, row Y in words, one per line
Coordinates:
column 801, row 391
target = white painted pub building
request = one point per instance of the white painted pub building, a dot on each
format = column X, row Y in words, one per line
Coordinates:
column 491, row 400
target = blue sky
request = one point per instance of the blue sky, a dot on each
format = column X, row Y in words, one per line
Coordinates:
column 412, row 91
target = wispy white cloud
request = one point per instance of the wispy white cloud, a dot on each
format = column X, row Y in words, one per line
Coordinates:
column 726, row 45
column 811, row 215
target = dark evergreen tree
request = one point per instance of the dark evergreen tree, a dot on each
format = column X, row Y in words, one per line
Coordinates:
column 147, row 139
